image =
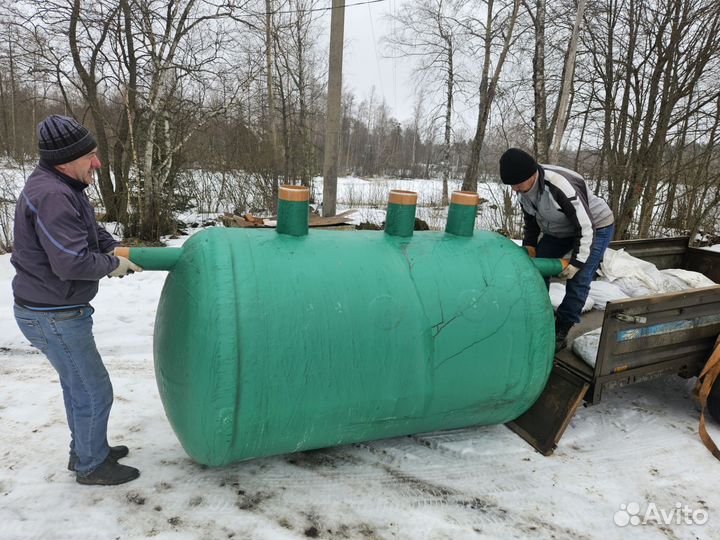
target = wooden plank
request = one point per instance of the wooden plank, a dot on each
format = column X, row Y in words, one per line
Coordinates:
column 341, row 219
column 687, row 366
column 570, row 361
column 672, row 300
column 249, row 221
column 544, row 423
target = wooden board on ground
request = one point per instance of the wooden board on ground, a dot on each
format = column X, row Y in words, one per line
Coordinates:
column 342, row 218
column 545, row 422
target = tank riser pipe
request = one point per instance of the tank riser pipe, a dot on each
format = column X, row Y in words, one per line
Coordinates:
column 462, row 213
column 400, row 217
column 293, row 210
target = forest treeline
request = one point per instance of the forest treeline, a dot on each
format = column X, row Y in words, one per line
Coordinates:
column 627, row 92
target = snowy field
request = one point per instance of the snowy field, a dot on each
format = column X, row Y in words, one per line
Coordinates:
column 369, row 199
column 638, row 450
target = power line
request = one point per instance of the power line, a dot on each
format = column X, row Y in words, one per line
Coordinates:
column 286, row 11
column 323, row 8
column 377, row 60
column 289, row 11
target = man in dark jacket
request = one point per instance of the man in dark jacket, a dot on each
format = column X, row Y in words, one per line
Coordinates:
column 60, row 252
column 561, row 216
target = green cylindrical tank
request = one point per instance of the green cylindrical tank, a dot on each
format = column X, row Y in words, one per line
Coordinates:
column 270, row 343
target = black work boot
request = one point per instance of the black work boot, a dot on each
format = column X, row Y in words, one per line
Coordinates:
column 561, row 332
column 109, row 473
column 116, row 452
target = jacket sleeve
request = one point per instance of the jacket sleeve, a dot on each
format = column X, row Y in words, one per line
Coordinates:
column 63, row 236
column 573, row 203
column 531, row 230
column 105, row 240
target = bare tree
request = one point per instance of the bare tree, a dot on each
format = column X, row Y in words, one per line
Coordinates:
column 500, row 24
column 659, row 67
column 298, row 83
column 540, row 146
column 149, row 78
column 429, row 32
column 563, row 104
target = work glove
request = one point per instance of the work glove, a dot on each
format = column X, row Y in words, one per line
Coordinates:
column 569, row 270
column 125, row 267
column 532, row 252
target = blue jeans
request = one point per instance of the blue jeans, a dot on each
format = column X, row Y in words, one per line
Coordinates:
column 66, row 338
column 577, row 288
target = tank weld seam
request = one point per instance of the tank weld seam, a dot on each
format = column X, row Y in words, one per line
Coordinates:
column 439, row 327
column 443, row 324
column 403, row 249
column 429, row 343
column 491, row 334
column 465, row 349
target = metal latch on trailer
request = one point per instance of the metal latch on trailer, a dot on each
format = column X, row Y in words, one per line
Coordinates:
column 633, row 319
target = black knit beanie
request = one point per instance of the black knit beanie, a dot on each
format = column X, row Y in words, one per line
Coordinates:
column 62, row 139
column 516, row 166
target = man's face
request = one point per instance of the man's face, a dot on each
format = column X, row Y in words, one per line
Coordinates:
column 82, row 168
column 524, row 187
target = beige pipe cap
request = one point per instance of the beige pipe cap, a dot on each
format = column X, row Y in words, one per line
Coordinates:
column 465, row 198
column 294, row 193
column 403, row 198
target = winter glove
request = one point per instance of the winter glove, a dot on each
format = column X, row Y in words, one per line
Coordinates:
column 569, row 270
column 125, row 267
column 532, row 252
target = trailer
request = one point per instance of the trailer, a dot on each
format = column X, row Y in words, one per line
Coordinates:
column 642, row 338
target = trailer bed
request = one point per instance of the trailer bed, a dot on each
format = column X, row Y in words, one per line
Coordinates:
column 642, row 338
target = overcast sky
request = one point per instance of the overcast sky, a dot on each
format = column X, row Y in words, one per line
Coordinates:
column 364, row 65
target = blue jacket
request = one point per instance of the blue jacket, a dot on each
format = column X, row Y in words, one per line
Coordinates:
column 59, row 251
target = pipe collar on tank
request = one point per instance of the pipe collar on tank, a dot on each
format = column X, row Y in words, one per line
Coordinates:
column 400, row 217
column 462, row 213
column 293, row 210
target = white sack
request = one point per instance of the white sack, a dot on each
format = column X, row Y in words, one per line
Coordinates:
column 690, row 279
column 640, row 278
column 587, row 345
column 557, row 293
column 603, row 292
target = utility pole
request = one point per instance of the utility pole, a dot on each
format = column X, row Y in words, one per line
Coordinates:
column 332, row 127
column 272, row 142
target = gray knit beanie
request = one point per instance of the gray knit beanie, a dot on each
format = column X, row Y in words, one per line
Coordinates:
column 62, row 139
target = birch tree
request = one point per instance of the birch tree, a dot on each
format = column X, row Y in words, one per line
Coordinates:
column 429, row 33
column 498, row 26
column 563, row 104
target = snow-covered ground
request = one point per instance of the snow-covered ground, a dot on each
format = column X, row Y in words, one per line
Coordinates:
column 636, row 451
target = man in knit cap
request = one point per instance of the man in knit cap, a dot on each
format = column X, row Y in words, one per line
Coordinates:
column 562, row 219
column 59, row 254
